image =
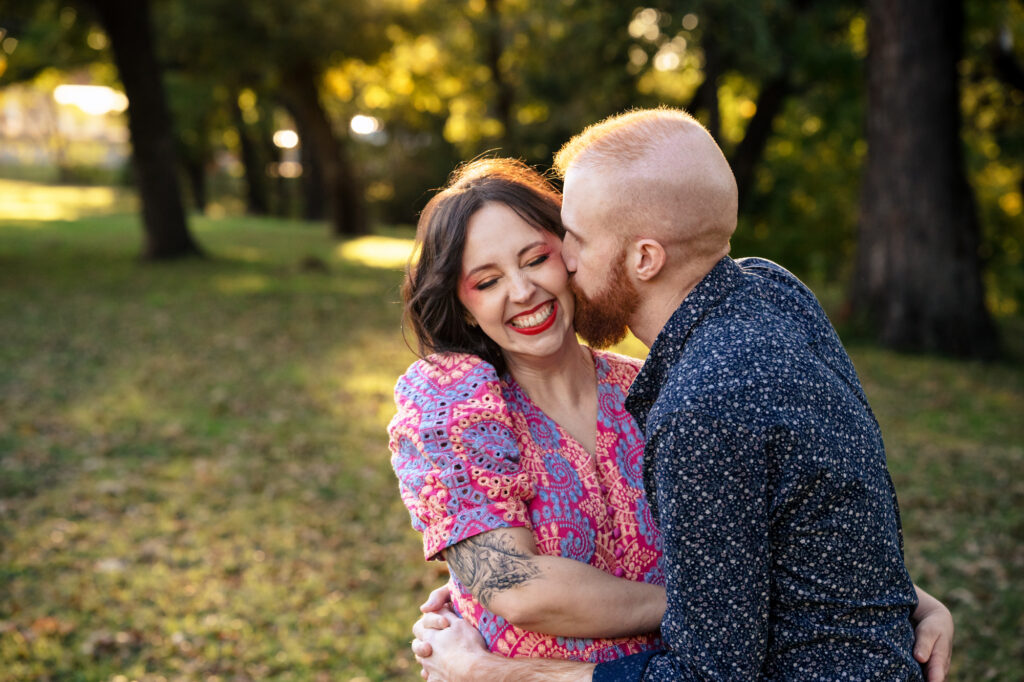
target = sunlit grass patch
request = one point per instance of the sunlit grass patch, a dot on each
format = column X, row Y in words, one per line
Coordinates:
column 30, row 202
column 378, row 252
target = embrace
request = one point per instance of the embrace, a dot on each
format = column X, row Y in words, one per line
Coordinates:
column 721, row 511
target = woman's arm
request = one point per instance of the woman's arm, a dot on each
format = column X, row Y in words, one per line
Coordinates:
column 553, row 595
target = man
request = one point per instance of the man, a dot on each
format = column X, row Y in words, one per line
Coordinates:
column 764, row 464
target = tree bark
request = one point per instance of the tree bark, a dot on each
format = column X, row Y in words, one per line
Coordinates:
column 255, row 170
column 128, row 26
column 505, row 95
column 314, row 203
column 750, row 150
column 346, row 210
column 195, row 169
column 709, row 94
column 918, row 276
column 1007, row 68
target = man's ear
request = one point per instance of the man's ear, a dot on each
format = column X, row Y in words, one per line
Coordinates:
column 648, row 259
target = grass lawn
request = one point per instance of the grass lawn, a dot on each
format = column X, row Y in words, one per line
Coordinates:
column 194, row 477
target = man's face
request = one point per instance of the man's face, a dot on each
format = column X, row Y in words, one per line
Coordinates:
column 595, row 255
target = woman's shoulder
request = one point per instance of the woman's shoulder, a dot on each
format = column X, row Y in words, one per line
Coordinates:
column 448, row 384
column 448, row 370
column 622, row 369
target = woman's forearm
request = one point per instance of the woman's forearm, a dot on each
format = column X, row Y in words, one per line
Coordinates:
column 572, row 599
column 549, row 594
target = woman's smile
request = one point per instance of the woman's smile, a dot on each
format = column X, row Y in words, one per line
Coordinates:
column 535, row 320
column 514, row 285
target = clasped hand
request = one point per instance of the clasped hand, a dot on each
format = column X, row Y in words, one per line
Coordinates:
column 444, row 644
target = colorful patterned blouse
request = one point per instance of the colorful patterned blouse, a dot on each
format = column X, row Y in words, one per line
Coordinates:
column 474, row 454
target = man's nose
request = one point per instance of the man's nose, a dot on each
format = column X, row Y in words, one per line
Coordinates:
column 569, row 258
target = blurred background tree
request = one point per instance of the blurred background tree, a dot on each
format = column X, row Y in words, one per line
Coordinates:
column 918, row 274
column 352, row 112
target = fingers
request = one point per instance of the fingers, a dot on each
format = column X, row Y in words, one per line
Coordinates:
column 436, row 621
column 429, row 621
column 447, row 614
column 421, row 649
column 437, row 599
column 938, row 664
column 934, row 651
column 924, row 643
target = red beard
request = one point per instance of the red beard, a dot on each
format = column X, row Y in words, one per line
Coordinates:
column 602, row 321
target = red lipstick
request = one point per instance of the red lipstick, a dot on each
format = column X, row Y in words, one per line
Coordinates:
column 543, row 326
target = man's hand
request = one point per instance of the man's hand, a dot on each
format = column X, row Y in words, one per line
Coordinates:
column 933, row 636
column 438, row 599
column 446, row 647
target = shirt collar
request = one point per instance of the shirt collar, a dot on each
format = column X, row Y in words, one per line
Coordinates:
column 668, row 345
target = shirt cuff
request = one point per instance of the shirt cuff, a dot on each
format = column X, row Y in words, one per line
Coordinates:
column 624, row 669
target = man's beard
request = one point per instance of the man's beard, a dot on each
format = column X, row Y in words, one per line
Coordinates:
column 602, row 321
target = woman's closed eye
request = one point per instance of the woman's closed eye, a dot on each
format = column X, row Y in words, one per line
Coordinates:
column 538, row 260
column 485, row 284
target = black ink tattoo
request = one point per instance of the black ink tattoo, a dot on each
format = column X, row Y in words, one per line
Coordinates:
column 490, row 563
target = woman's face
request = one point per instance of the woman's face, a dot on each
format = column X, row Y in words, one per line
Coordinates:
column 514, row 283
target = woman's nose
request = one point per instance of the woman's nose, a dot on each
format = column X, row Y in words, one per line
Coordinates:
column 522, row 288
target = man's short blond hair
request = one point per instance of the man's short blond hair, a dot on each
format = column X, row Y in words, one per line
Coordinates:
column 624, row 138
column 660, row 175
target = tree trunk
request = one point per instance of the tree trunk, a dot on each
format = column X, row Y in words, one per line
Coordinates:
column 749, row 151
column 505, row 96
column 709, row 94
column 255, row 170
column 917, row 279
column 346, row 212
column 127, row 24
column 195, row 169
column 314, row 204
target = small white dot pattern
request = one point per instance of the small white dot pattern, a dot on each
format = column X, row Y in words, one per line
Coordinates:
column 765, row 469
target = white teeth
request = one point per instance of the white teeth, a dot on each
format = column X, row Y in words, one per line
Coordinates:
column 534, row 319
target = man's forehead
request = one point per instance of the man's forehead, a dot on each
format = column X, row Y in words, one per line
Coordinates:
column 584, row 200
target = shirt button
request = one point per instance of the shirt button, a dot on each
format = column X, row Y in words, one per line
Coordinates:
column 618, row 552
column 618, row 572
column 616, row 532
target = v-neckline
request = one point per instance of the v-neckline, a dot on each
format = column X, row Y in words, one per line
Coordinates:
column 562, row 432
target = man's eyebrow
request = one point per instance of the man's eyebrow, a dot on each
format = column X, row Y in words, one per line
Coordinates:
column 539, row 242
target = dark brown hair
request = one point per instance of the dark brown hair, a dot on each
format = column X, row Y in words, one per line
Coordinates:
column 431, row 280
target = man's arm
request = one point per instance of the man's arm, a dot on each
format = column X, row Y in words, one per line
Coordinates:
column 933, row 635
column 711, row 497
column 549, row 594
column 455, row 652
column 800, row 534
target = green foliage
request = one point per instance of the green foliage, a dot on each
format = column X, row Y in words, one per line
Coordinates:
column 195, row 478
column 46, row 34
column 450, row 80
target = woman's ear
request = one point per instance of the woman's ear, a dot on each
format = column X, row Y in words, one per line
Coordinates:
column 648, row 259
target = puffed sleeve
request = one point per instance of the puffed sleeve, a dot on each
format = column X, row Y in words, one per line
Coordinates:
column 454, row 451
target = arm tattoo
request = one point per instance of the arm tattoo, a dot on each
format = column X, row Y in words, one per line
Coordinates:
column 490, row 563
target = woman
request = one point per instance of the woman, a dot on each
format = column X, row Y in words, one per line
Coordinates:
column 514, row 452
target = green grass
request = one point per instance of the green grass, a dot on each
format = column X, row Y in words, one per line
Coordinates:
column 194, row 477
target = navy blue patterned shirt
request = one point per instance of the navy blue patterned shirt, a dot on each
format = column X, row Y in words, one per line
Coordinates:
column 766, row 471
